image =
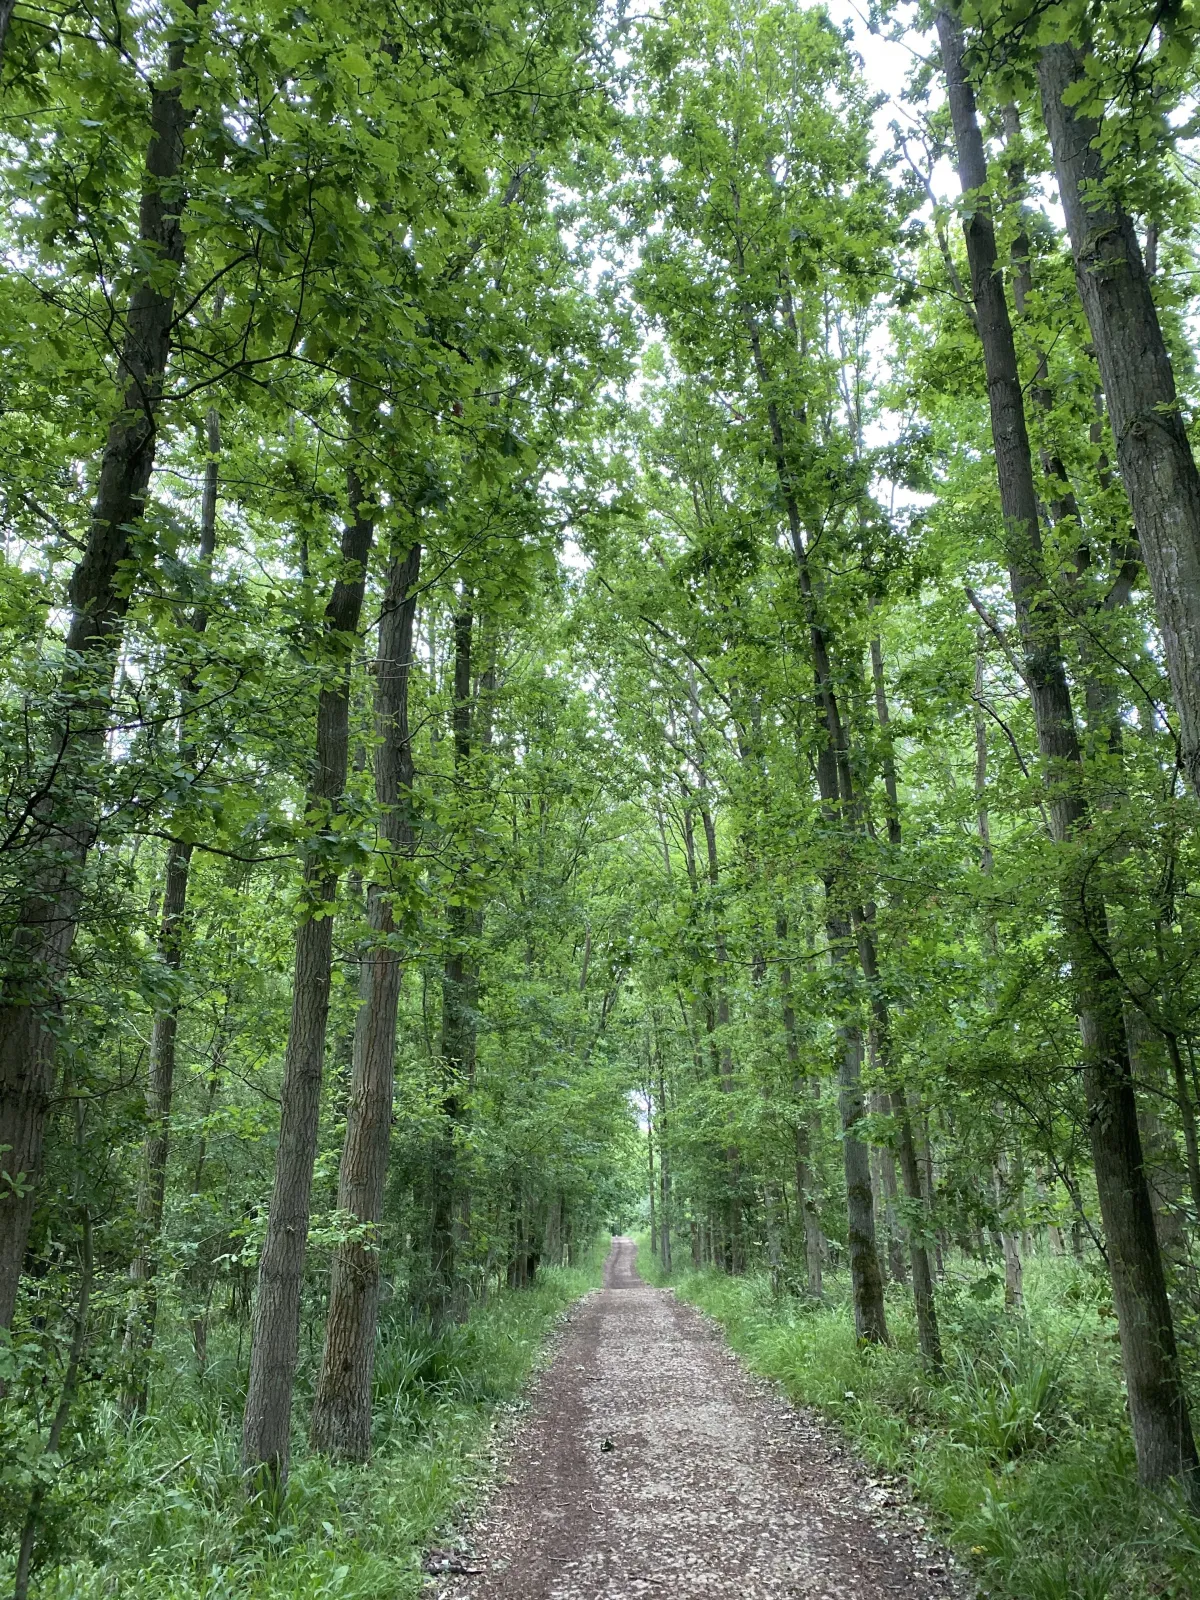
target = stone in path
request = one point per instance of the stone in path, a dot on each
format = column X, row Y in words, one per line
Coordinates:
column 713, row 1488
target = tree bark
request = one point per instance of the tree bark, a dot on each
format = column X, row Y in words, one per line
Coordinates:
column 1157, row 466
column 928, row 1333
column 805, row 1198
column 443, row 1294
column 835, row 782
column 1158, row 1407
column 276, row 1331
column 341, row 1419
column 143, row 1309
column 98, row 598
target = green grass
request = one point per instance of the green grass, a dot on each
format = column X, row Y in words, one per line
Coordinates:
column 1021, row 1453
column 163, row 1514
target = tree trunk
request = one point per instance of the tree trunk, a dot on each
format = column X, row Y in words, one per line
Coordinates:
column 805, row 1198
column 1158, row 1408
column 341, row 1419
column 650, row 1161
column 1153, row 451
column 840, row 802
column 928, row 1335
column 143, row 1307
column 459, row 1000
column 870, row 1321
column 61, row 816
column 276, row 1332
column 664, row 1172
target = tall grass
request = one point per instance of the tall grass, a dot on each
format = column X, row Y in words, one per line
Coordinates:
column 165, row 1515
column 1021, row 1452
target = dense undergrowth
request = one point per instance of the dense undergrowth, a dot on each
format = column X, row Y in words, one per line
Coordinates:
column 1021, row 1452
column 160, row 1509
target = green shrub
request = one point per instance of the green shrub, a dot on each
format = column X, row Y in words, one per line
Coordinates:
column 1021, row 1451
column 167, row 1517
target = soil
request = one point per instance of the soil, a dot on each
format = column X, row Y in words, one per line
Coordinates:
column 652, row 1464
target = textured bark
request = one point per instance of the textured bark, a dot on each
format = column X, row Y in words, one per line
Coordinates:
column 890, row 1189
column 63, row 824
column 341, row 1419
column 1153, row 452
column 444, row 1294
column 928, row 1334
column 664, row 1174
column 1158, row 1408
column 870, row 1322
column 722, row 1043
column 840, row 802
column 6, row 10
column 276, row 1330
column 805, row 1196
column 143, row 1308
column 152, row 1182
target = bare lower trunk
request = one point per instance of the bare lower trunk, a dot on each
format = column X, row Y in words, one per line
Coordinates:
column 444, row 1291
column 664, row 1175
column 275, row 1337
column 870, row 1322
column 928, row 1334
column 804, row 1125
column 143, row 1307
column 341, row 1419
column 841, row 805
column 1158, row 1408
column 1158, row 469
column 61, row 819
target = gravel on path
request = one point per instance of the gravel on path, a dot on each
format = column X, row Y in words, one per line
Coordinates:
column 652, row 1464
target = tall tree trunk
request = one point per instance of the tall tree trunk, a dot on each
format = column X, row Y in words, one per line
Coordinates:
column 61, row 817
column 143, row 1307
column 840, row 802
column 275, row 1338
column 805, row 1195
column 664, row 1174
column 1157, row 466
column 1158, row 1408
column 459, row 999
column 650, row 1163
column 341, row 1419
column 928, row 1333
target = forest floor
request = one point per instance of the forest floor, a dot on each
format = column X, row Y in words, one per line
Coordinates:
column 653, row 1464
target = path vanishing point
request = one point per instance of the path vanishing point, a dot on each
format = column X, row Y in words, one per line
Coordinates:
column 652, row 1464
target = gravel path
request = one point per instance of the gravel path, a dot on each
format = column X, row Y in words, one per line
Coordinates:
column 652, row 1465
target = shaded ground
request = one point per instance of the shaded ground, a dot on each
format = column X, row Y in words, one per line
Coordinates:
column 653, row 1465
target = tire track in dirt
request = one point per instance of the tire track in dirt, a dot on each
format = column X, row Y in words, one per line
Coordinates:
column 714, row 1487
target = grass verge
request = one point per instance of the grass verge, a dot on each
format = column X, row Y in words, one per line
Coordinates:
column 163, row 1513
column 1021, row 1452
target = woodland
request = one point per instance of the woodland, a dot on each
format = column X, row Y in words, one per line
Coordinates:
column 600, row 629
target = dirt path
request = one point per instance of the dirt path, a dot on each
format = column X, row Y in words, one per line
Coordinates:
column 713, row 1487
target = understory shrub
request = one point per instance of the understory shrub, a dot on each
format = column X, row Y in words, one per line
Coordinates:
column 164, row 1514
column 1020, row 1452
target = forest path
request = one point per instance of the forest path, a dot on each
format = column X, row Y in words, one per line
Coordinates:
column 713, row 1486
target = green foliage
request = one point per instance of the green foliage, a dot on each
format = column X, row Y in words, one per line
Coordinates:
column 167, row 1512
column 1021, row 1455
